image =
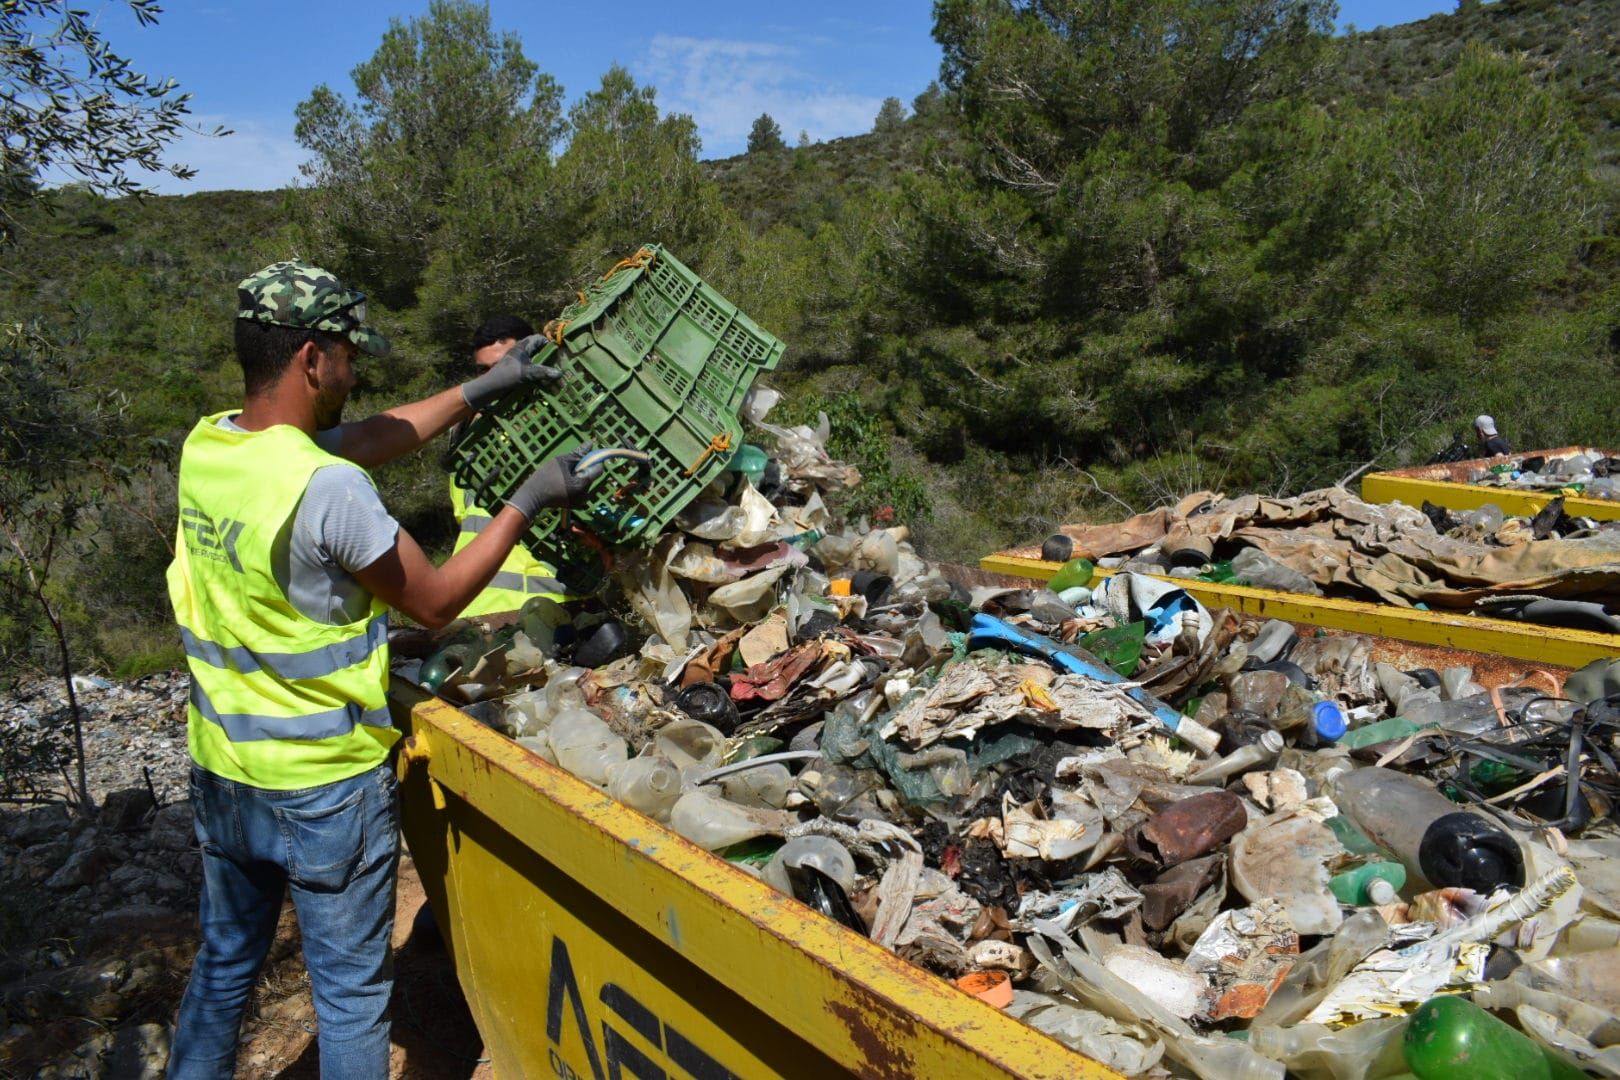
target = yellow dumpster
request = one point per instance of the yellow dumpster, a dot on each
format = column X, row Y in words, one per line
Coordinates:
column 1557, row 645
column 594, row 944
column 1447, row 485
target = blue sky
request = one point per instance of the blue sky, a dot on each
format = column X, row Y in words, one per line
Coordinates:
column 823, row 68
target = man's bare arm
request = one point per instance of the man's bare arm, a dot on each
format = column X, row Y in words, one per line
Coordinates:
column 435, row 595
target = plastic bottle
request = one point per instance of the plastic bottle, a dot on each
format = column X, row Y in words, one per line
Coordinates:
column 585, row 745
column 766, row 786
column 648, row 784
column 712, row 822
column 1076, row 573
column 539, row 745
column 1242, row 759
column 1318, row 722
column 1451, row 1038
column 1257, row 692
column 525, row 713
column 709, row 702
column 562, row 689
column 1438, row 843
column 1274, row 641
column 1396, row 727
column 839, row 786
column 822, row 852
column 1370, row 1048
column 690, row 742
column 1353, row 839
column 1241, row 728
column 1369, row 883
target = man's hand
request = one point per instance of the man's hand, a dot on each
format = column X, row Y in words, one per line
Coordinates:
column 510, row 370
column 556, row 483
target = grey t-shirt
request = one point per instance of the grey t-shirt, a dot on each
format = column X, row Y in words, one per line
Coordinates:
column 340, row 526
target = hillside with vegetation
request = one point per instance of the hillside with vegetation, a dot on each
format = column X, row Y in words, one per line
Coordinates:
column 1101, row 263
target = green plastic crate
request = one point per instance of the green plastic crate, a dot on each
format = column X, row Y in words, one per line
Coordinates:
column 655, row 360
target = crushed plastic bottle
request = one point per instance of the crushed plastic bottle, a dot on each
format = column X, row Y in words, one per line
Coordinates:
column 585, row 745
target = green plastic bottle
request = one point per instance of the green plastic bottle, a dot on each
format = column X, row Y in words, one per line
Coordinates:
column 1396, row 727
column 1072, row 573
column 1369, row 883
column 1354, row 840
column 1451, row 1038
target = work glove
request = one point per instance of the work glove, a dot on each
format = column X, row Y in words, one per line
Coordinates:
column 557, row 483
column 512, row 369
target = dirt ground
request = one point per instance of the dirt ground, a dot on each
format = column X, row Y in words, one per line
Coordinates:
column 434, row 1037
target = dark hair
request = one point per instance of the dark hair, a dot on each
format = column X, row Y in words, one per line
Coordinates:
column 265, row 349
column 499, row 328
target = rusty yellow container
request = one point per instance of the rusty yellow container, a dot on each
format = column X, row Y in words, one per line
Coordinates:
column 1553, row 645
column 594, row 944
column 1447, row 485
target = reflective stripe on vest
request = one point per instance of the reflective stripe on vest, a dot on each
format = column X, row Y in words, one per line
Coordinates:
column 251, row 727
column 317, row 663
column 278, row 699
column 521, row 576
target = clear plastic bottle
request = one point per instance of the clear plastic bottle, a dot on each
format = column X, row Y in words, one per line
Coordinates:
column 1312, row 1051
column 1241, row 760
column 648, row 784
column 1439, row 843
column 821, row 852
column 525, row 713
column 539, row 745
column 1258, row 692
column 689, row 742
column 585, row 745
column 767, row 786
column 712, row 822
column 1314, row 721
column 562, row 689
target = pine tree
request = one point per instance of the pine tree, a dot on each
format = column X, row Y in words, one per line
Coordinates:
column 765, row 136
column 890, row 116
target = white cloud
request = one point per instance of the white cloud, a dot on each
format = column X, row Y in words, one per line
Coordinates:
column 255, row 157
column 725, row 85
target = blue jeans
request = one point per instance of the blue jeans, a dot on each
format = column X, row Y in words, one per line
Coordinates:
column 337, row 847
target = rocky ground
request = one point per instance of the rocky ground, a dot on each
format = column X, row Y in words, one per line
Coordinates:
column 98, row 912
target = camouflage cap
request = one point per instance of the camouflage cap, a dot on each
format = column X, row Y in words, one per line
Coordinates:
column 301, row 294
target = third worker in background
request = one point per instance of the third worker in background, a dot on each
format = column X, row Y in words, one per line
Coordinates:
column 1490, row 443
column 522, row 576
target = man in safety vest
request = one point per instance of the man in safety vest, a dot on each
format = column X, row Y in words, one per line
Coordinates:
column 286, row 564
column 521, row 576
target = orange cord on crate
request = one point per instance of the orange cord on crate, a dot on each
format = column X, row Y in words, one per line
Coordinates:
column 717, row 445
column 639, row 261
column 642, row 259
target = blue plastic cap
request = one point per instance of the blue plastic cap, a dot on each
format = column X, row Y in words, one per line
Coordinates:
column 1329, row 721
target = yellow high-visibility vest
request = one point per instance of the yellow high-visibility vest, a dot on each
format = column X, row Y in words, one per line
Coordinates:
column 278, row 700
column 520, row 578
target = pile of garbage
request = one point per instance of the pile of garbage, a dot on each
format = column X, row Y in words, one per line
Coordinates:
column 1181, row 842
column 1549, row 568
column 1592, row 474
